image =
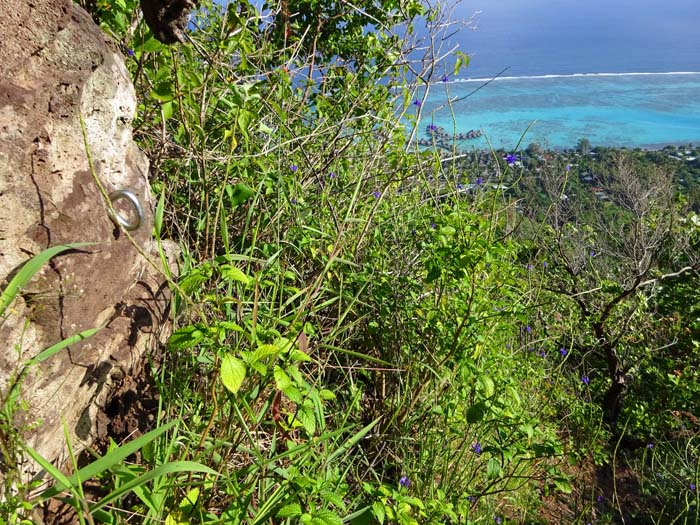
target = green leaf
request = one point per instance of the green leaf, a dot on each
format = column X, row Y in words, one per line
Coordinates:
column 168, row 109
column 282, row 380
column 231, row 273
column 305, row 414
column 326, row 395
column 158, row 215
column 109, row 460
column 158, row 472
column 30, row 268
column 239, row 194
column 493, row 469
column 42, row 356
column 327, row 517
column 378, row 511
column 233, row 372
column 476, row 412
column 563, row 485
column 289, row 511
column 487, row 385
column 186, row 337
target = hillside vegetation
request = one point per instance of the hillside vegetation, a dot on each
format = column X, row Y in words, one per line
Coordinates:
column 368, row 331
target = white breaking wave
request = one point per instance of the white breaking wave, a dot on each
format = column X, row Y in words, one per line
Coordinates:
column 571, row 75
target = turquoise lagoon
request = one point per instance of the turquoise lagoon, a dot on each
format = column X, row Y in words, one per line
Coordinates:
column 646, row 110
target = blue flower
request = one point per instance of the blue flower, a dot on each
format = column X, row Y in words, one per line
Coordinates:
column 377, row 194
column 479, row 181
column 416, row 102
column 130, row 52
column 432, row 127
column 405, row 482
column 497, row 519
column 528, row 329
column 476, row 447
column 563, row 351
column 599, row 498
column 511, row 159
column 332, row 175
column 445, row 78
column 294, row 168
column 585, row 380
column 692, row 487
column 568, row 167
column 650, row 446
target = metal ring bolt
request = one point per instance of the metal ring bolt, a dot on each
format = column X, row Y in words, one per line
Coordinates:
column 118, row 219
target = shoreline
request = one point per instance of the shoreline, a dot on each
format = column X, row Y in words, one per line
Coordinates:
column 569, row 75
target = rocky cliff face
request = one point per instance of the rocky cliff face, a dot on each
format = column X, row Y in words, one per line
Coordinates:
column 58, row 68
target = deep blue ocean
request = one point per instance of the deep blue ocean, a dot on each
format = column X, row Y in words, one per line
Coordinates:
column 618, row 72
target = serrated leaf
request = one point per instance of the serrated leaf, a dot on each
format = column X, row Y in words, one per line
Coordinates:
column 282, row 380
column 299, row 356
column 563, row 485
column 186, row 337
column 305, row 415
column 231, row 273
column 327, row 517
column 326, row 395
column 289, row 511
column 293, row 393
column 233, row 372
column 333, row 498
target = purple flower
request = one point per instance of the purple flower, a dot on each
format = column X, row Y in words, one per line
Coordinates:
column 130, row 52
column 445, row 78
column 416, row 102
column 432, row 225
column 592, row 253
column 476, row 447
column 431, row 128
column 332, row 175
column 471, row 499
column 528, row 329
column 530, row 267
column 585, row 380
column 568, row 167
column 563, row 351
column 544, row 264
column 650, row 446
column 542, row 354
column 511, row 159
column 599, row 498
column 405, row 482
column 377, row 194
column 692, row 487
column 497, row 519
column 479, row 181
column 294, row 168
column 293, row 200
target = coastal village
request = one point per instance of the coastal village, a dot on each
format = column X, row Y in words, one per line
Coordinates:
column 584, row 160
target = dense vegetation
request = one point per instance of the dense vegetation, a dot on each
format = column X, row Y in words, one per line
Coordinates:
column 369, row 331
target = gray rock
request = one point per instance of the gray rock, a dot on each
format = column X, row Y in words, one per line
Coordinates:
column 57, row 66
